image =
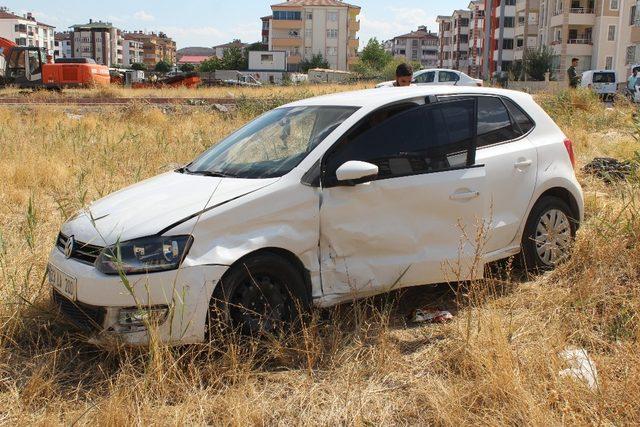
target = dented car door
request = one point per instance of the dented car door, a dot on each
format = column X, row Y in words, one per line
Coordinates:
column 407, row 226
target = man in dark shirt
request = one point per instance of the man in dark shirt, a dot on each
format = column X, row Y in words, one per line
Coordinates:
column 574, row 80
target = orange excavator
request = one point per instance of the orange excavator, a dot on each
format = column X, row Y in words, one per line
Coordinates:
column 28, row 67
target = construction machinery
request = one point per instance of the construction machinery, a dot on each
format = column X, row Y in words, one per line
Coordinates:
column 28, row 67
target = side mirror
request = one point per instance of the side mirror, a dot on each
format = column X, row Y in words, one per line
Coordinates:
column 355, row 172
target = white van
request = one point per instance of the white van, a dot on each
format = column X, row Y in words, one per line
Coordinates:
column 603, row 82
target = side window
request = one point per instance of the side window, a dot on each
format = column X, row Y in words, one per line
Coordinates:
column 447, row 76
column 494, row 123
column 426, row 77
column 519, row 117
column 425, row 139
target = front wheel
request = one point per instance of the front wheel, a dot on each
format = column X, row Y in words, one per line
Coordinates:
column 548, row 234
column 260, row 294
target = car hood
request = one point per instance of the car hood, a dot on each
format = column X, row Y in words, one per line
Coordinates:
column 154, row 205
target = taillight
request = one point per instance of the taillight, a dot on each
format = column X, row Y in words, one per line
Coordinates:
column 569, row 146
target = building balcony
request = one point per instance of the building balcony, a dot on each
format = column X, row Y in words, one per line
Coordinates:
column 282, row 24
column 354, row 43
column 574, row 47
column 286, row 42
column 294, row 59
column 354, row 26
column 577, row 16
column 635, row 34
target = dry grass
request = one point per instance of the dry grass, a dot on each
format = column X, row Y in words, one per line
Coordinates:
column 496, row 363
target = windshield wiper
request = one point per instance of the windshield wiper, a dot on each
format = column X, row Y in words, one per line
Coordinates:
column 215, row 174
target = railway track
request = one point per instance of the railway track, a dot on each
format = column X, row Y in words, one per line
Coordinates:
column 13, row 101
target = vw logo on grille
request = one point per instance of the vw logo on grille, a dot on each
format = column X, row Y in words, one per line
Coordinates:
column 69, row 246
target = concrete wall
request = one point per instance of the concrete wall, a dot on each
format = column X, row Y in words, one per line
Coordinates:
column 267, row 61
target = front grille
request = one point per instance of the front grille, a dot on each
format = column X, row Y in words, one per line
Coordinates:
column 85, row 317
column 82, row 252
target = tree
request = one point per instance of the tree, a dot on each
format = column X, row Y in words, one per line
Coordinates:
column 163, row 67
column 139, row 66
column 187, row 68
column 538, row 62
column 258, row 46
column 210, row 65
column 374, row 56
column 316, row 61
column 234, row 59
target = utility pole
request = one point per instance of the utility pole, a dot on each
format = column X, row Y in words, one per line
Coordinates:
column 501, row 36
column 487, row 48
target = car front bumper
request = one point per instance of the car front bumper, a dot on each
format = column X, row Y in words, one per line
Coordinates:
column 100, row 299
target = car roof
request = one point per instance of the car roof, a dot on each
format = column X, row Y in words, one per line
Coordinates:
column 374, row 98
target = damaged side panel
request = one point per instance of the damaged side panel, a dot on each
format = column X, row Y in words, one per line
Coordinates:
column 400, row 232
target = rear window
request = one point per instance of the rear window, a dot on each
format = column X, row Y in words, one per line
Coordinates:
column 494, row 122
column 519, row 117
column 604, row 77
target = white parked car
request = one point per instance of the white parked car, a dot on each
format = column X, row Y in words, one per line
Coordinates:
column 319, row 202
column 603, row 82
column 441, row 77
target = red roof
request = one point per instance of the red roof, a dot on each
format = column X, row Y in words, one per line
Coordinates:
column 193, row 59
column 298, row 3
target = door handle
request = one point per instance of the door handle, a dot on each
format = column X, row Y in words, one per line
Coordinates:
column 468, row 195
column 523, row 164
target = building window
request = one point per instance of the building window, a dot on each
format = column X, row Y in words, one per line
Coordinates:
column 308, row 33
column 332, row 16
column 614, row 5
column 632, row 15
column 281, row 15
column 631, row 55
column 266, row 58
column 309, row 15
column 609, row 63
column 332, row 51
column 612, row 33
column 332, row 34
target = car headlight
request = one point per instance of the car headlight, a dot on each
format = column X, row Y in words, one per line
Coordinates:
column 146, row 255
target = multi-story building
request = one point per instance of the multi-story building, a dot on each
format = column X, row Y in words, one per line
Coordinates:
column 26, row 30
column 526, row 27
column 500, row 32
column 476, row 37
column 417, row 46
column 603, row 34
column 62, row 45
column 98, row 40
column 453, row 32
column 266, row 26
column 156, row 47
column 133, row 51
column 304, row 28
column 222, row 48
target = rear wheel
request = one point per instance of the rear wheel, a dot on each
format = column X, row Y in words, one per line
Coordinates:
column 548, row 234
column 260, row 294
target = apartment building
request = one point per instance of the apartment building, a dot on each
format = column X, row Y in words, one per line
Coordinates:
column 304, row 28
column 133, row 51
column 476, row 38
column 62, row 45
column 222, row 48
column 417, row 46
column 26, row 30
column 98, row 40
column 453, row 32
column 526, row 27
column 266, row 26
column 156, row 47
column 603, row 34
column 500, row 35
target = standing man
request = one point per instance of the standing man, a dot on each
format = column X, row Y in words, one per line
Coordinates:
column 574, row 80
column 404, row 75
column 631, row 83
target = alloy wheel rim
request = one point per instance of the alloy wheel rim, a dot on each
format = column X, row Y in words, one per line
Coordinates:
column 260, row 304
column 553, row 237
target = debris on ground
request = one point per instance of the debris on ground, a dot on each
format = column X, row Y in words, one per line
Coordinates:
column 609, row 169
column 74, row 116
column 221, row 108
column 428, row 315
column 581, row 366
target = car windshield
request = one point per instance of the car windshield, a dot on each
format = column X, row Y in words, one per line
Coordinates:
column 272, row 145
column 604, row 78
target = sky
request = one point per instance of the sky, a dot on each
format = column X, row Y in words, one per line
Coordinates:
column 211, row 22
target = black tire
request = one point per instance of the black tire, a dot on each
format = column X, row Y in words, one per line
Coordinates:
column 261, row 294
column 532, row 239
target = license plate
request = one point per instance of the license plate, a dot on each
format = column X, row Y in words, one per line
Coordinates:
column 62, row 282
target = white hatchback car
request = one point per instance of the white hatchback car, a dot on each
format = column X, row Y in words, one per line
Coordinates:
column 440, row 77
column 320, row 202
